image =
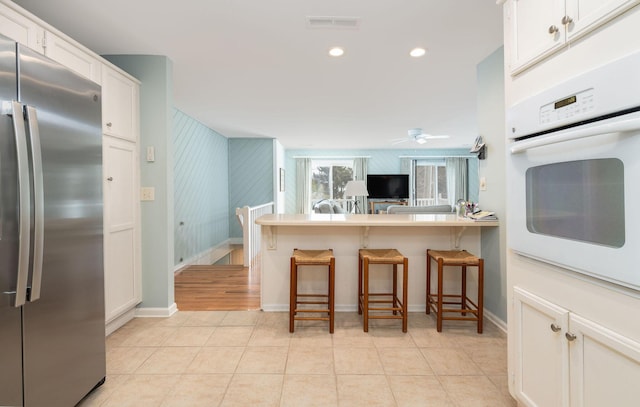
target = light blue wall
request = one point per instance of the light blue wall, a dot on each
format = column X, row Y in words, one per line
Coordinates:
column 201, row 185
column 251, row 176
column 156, row 111
column 491, row 119
column 380, row 162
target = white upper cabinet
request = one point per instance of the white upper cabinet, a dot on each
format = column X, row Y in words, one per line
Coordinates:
column 119, row 105
column 38, row 36
column 21, row 29
column 586, row 15
column 72, row 56
column 541, row 27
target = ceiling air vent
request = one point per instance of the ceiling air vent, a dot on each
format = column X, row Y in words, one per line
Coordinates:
column 332, row 22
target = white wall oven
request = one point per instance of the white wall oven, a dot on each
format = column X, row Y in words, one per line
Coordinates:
column 573, row 171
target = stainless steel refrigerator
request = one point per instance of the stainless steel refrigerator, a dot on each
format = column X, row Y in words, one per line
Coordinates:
column 52, row 326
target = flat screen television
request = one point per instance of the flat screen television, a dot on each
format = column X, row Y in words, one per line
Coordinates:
column 388, row 186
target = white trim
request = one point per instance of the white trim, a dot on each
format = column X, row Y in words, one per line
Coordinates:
column 153, row 312
column 321, row 157
column 119, row 321
column 502, row 325
column 427, row 157
column 209, row 256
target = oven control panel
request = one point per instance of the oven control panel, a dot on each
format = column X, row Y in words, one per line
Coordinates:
column 609, row 89
column 575, row 105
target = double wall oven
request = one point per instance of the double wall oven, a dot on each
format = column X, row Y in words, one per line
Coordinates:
column 573, row 171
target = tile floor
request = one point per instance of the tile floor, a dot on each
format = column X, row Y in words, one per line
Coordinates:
column 238, row 358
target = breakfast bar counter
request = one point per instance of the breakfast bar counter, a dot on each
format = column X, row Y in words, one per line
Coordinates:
column 411, row 234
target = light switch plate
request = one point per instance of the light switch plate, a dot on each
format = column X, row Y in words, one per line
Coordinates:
column 148, row 194
column 483, row 184
column 151, row 154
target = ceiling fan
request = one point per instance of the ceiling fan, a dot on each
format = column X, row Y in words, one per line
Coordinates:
column 418, row 136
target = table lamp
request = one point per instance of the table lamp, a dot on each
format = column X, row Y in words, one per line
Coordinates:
column 354, row 189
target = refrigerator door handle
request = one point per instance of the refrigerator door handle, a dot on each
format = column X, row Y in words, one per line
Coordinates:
column 38, row 202
column 14, row 109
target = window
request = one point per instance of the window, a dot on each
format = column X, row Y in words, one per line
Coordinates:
column 431, row 183
column 329, row 178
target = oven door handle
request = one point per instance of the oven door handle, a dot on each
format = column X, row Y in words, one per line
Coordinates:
column 614, row 125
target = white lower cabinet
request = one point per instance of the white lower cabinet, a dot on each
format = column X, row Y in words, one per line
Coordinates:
column 121, row 230
column 563, row 359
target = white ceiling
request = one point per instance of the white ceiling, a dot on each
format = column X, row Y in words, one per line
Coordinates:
column 253, row 68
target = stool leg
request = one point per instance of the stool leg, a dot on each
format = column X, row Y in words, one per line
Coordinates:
column 463, row 294
column 293, row 291
column 428, row 308
column 480, row 293
column 395, row 288
column 365, row 301
column 360, row 285
column 440, row 293
column 405, row 282
column 332, row 285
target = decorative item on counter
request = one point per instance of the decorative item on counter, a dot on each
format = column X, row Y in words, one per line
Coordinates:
column 470, row 208
column 465, row 208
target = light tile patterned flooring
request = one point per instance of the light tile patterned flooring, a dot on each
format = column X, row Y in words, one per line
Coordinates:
column 249, row 358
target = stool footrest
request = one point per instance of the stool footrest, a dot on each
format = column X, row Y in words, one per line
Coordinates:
column 312, row 302
column 312, row 319
column 386, row 316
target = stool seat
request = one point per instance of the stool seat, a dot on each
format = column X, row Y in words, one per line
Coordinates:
column 367, row 301
column 455, row 257
column 382, row 256
column 299, row 302
column 312, row 257
column 439, row 301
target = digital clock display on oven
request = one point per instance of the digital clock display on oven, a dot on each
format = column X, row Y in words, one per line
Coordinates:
column 565, row 102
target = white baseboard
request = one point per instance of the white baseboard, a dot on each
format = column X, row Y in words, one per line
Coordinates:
column 152, row 312
column 412, row 308
column 119, row 321
column 496, row 321
column 210, row 255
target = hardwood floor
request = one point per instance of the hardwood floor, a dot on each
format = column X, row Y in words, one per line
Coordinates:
column 217, row 288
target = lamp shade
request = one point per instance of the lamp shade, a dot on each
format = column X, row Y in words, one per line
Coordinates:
column 356, row 188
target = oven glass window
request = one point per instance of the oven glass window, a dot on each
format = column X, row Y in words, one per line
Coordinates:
column 578, row 200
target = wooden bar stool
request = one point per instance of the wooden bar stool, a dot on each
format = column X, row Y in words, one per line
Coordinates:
column 397, row 307
column 312, row 258
column 437, row 301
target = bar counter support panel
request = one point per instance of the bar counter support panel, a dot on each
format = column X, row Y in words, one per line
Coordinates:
column 411, row 234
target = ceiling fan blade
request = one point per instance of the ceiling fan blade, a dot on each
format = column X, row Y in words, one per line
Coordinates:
column 429, row 136
column 398, row 141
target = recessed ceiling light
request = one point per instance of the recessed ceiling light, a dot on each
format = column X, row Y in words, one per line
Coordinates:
column 336, row 52
column 417, row 52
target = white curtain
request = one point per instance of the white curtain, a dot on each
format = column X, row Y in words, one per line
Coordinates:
column 360, row 170
column 408, row 166
column 303, row 185
column 456, row 179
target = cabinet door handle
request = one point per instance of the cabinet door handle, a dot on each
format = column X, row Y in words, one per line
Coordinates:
column 553, row 29
column 109, row 124
column 570, row 337
column 566, row 20
column 555, row 328
column 110, row 179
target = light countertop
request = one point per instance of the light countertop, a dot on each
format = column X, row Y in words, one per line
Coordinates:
column 402, row 220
